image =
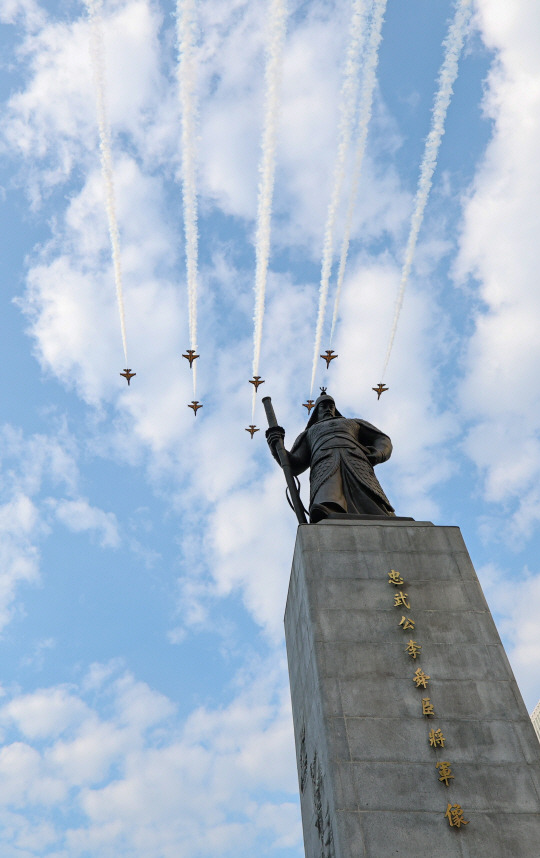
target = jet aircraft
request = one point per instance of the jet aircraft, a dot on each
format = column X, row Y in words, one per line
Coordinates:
column 252, row 429
column 128, row 375
column 195, row 405
column 256, row 380
column 309, row 404
column 190, row 356
column 381, row 388
column 329, row 356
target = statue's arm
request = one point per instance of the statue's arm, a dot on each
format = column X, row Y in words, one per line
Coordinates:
column 299, row 456
column 379, row 445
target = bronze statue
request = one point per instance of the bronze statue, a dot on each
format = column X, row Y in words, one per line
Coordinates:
column 341, row 453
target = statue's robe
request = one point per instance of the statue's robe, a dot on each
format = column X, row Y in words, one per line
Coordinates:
column 342, row 476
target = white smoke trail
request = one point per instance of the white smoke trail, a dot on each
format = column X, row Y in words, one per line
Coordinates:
column 185, row 22
column 274, row 62
column 453, row 45
column 364, row 117
column 98, row 64
column 347, row 108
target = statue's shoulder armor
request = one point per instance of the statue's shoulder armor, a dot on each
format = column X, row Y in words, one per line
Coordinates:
column 365, row 425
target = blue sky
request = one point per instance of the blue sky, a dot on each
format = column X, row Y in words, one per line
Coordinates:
column 145, row 554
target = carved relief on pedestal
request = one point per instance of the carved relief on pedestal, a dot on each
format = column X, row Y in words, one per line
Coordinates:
column 323, row 821
column 302, row 762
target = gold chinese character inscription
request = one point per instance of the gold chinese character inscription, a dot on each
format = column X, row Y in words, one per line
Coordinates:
column 413, row 649
column 436, row 738
column 401, row 599
column 395, row 578
column 427, row 707
column 420, row 678
column 445, row 772
column 454, row 814
column 407, row 623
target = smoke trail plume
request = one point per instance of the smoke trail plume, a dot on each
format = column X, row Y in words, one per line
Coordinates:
column 185, row 22
column 364, row 117
column 347, row 108
column 274, row 61
column 453, row 45
column 98, row 65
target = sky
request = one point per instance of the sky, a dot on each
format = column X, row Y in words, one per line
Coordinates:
column 145, row 553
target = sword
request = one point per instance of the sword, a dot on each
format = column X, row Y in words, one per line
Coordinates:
column 283, row 457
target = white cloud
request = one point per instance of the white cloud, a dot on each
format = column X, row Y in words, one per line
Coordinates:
column 37, row 657
column 45, row 713
column 138, row 781
column 499, row 248
column 53, row 119
column 35, row 470
column 28, row 10
column 19, row 562
column 27, row 463
column 24, row 779
column 79, row 516
column 513, row 601
column 245, row 552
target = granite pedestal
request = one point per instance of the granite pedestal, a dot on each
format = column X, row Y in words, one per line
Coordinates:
column 369, row 754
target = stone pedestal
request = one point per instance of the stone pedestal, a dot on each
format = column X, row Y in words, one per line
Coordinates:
column 369, row 781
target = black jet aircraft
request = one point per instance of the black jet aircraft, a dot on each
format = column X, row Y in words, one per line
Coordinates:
column 128, row 375
column 309, row 404
column 195, row 405
column 256, row 380
column 252, row 429
column 381, row 388
column 329, row 356
column 190, row 356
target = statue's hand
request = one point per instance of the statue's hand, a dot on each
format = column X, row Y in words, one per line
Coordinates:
column 374, row 456
column 273, row 434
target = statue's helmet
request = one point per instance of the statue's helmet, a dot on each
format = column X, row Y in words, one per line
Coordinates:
column 324, row 397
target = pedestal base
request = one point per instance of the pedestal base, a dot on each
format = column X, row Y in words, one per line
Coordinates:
column 372, row 769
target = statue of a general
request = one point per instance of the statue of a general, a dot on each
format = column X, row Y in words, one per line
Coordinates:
column 341, row 453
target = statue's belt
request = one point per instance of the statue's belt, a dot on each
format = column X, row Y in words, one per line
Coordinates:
column 339, row 443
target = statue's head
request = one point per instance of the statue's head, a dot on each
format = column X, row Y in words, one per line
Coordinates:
column 324, row 409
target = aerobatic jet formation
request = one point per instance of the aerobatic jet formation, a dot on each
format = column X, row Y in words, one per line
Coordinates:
column 195, row 405
column 190, row 356
column 252, row 429
column 128, row 375
column 328, row 356
column 256, row 381
column 381, row 388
